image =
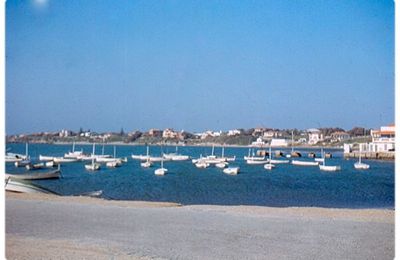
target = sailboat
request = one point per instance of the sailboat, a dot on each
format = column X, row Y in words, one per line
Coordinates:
column 176, row 156
column 162, row 170
column 322, row 159
column 231, row 170
column 269, row 165
column 24, row 162
column 327, row 168
column 253, row 157
column 359, row 165
column 74, row 154
column 113, row 162
column 93, row 166
column 227, row 159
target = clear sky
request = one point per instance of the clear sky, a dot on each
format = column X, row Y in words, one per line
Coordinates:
column 198, row 65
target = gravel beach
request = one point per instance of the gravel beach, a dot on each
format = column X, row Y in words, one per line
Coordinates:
column 51, row 227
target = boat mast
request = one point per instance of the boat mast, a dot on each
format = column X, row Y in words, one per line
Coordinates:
column 147, row 153
column 102, row 150
column 114, row 151
column 292, row 142
column 26, row 150
column 223, row 151
column 359, row 154
column 212, row 151
column 73, row 146
column 94, row 144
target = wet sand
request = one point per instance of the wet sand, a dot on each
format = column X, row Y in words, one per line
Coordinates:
column 40, row 226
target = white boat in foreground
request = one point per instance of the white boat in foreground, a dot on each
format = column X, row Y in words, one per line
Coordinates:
column 304, row 163
column 329, row 168
column 146, row 164
column 231, row 170
column 162, row 170
column 16, row 185
column 359, row 165
column 93, row 166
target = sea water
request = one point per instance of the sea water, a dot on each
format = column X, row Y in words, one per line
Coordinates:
column 285, row 185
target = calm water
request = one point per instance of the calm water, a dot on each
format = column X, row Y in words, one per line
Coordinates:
column 286, row 185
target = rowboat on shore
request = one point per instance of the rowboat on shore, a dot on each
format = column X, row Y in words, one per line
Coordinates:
column 25, row 161
column 55, row 174
column 19, row 185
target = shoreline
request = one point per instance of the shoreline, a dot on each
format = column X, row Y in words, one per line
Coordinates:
column 42, row 226
column 354, row 213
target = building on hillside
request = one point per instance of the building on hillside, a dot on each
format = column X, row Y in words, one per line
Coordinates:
column 314, row 136
column 339, row 136
column 258, row 143
column 155, row 132
column 279, row 142
column 234, row 132
column 169, row 133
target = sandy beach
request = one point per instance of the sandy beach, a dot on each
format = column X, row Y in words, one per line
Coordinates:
column 51, row 227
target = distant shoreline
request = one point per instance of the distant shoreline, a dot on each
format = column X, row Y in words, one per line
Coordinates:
column 308, row 147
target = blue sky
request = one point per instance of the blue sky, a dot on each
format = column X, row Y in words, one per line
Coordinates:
column 198, row 65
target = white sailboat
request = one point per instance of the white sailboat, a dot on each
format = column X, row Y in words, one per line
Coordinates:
column 26, row 161
column 359, row 165
column 162, row 170
column 327, row 168
column 113, row 162
column 253, row 157
column 231, row 170
column 93, row 166
column 46, row 158
column 176, row 156
column 322, row 159
column 74, row 154
column 269, row 165
column 304, row 163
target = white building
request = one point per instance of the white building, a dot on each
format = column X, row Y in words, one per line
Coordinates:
column 258, row 143
column 383, row 140
column 64, row 133
column 169, row 133
column 314, row 136
column 234, row 132
column 279, row 142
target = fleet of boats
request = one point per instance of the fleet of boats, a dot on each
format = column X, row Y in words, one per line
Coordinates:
column 222, row 162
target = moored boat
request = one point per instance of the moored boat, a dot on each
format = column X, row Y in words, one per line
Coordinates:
column 304, row 163
column 359, row 165
column 231, row 170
